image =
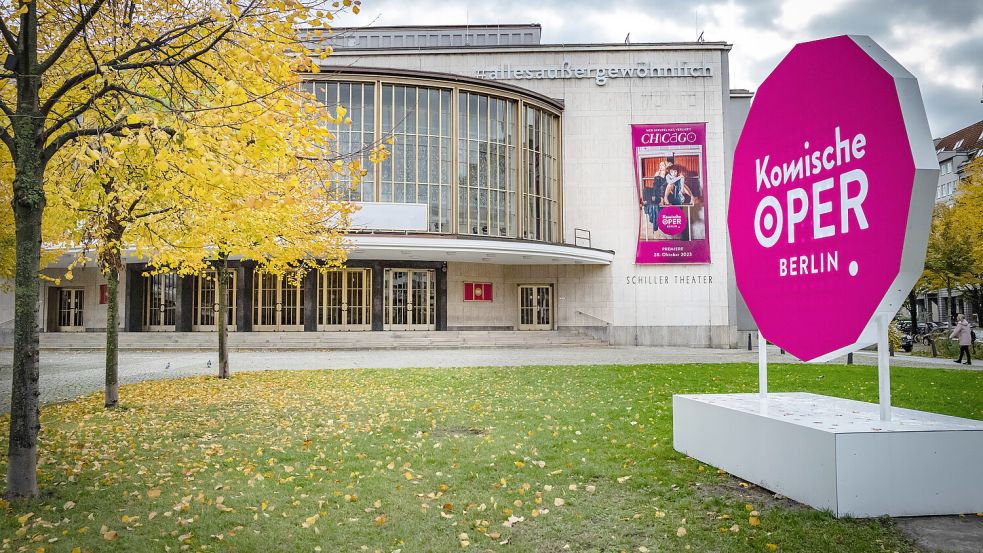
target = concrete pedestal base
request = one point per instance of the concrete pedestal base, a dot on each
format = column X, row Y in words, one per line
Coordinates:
column 836, row 454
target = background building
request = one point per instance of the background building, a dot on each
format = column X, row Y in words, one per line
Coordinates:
column 509, row 203
column 955, row 151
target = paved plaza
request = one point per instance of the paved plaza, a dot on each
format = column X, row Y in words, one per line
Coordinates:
column 66, row 374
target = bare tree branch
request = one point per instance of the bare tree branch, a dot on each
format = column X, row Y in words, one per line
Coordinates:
column 114, row 130
column 71, row 36
column 117, row 62
column 8, row 36
column 90, row 102
column 9, row 142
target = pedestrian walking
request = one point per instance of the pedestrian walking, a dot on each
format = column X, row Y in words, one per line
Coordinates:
column 964, row 334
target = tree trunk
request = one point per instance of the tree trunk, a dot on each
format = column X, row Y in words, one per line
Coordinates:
column 28, row 206
column 112, row 336
column 913, row 303
column 111, row 259
column 949, row 303
column 25, row 416
column 223, row 328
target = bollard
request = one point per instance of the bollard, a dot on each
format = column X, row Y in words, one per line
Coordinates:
column 749, row 341
column 849, row 358
column 890, row 348
column 935, row 352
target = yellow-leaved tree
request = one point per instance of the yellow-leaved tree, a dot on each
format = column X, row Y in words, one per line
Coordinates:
column 967, row 215
column 251, row 180
column 77, row 72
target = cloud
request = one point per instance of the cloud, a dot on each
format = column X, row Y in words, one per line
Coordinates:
column 940, row 42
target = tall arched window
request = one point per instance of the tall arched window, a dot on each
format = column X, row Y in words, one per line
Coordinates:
column 541, row 189
column 486, row 162
column 355, row 140
column 419, row 170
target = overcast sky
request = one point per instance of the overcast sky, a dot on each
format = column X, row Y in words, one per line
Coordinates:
column 940, row 41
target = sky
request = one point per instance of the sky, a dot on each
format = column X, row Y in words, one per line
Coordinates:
column 939, row 41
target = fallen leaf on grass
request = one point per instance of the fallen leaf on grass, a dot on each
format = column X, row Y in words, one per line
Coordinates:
column 310, row 521
column 512, row 521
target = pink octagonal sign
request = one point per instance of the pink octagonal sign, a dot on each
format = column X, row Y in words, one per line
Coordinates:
column 832, row 192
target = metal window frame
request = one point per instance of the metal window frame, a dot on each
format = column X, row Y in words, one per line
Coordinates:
column 554, row 224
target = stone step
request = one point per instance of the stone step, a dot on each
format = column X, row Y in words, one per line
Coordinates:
column 321, row 340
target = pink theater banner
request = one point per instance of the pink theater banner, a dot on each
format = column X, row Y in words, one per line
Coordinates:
column 670, row 177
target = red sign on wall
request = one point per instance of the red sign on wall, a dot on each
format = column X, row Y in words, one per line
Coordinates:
column 103, row 295
column 477, row 291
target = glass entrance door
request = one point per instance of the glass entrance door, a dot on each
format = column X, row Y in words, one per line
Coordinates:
column 159, row 298
column 206, row 302
column 70, row 310
column 536, row 307
column 278, row 302
column 344, row 299
column 410, row 299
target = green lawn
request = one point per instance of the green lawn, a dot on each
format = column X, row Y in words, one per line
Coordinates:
column 430, row 460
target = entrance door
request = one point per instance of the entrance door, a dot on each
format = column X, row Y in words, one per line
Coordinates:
column 206, row 301
column 278, row 302
column 344, row 299
column 410, row 299
column 159, row 298
column 536, row 307
column 70, row 310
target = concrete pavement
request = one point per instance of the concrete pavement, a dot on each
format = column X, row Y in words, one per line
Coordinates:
column 67, row 374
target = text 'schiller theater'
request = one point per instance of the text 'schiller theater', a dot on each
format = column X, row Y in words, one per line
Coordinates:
column 542, row 187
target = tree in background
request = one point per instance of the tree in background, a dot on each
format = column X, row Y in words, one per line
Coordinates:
column 949, row 259
column 967, row 215
column 61, row 83
column 922, row 286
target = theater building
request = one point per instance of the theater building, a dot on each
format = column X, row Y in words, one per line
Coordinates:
column 539, row 187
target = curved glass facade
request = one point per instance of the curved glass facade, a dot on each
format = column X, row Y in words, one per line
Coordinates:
column 355, row 139
column 484, row 164
column 419, row 170
column 486, row 161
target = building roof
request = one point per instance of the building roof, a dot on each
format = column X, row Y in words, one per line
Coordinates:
column 427, row 36
column 967, row 139
column 521, row 36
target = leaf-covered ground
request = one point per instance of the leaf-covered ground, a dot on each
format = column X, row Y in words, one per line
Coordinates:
column 503, row 459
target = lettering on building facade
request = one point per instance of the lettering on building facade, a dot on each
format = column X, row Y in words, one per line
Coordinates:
column 600, row 74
